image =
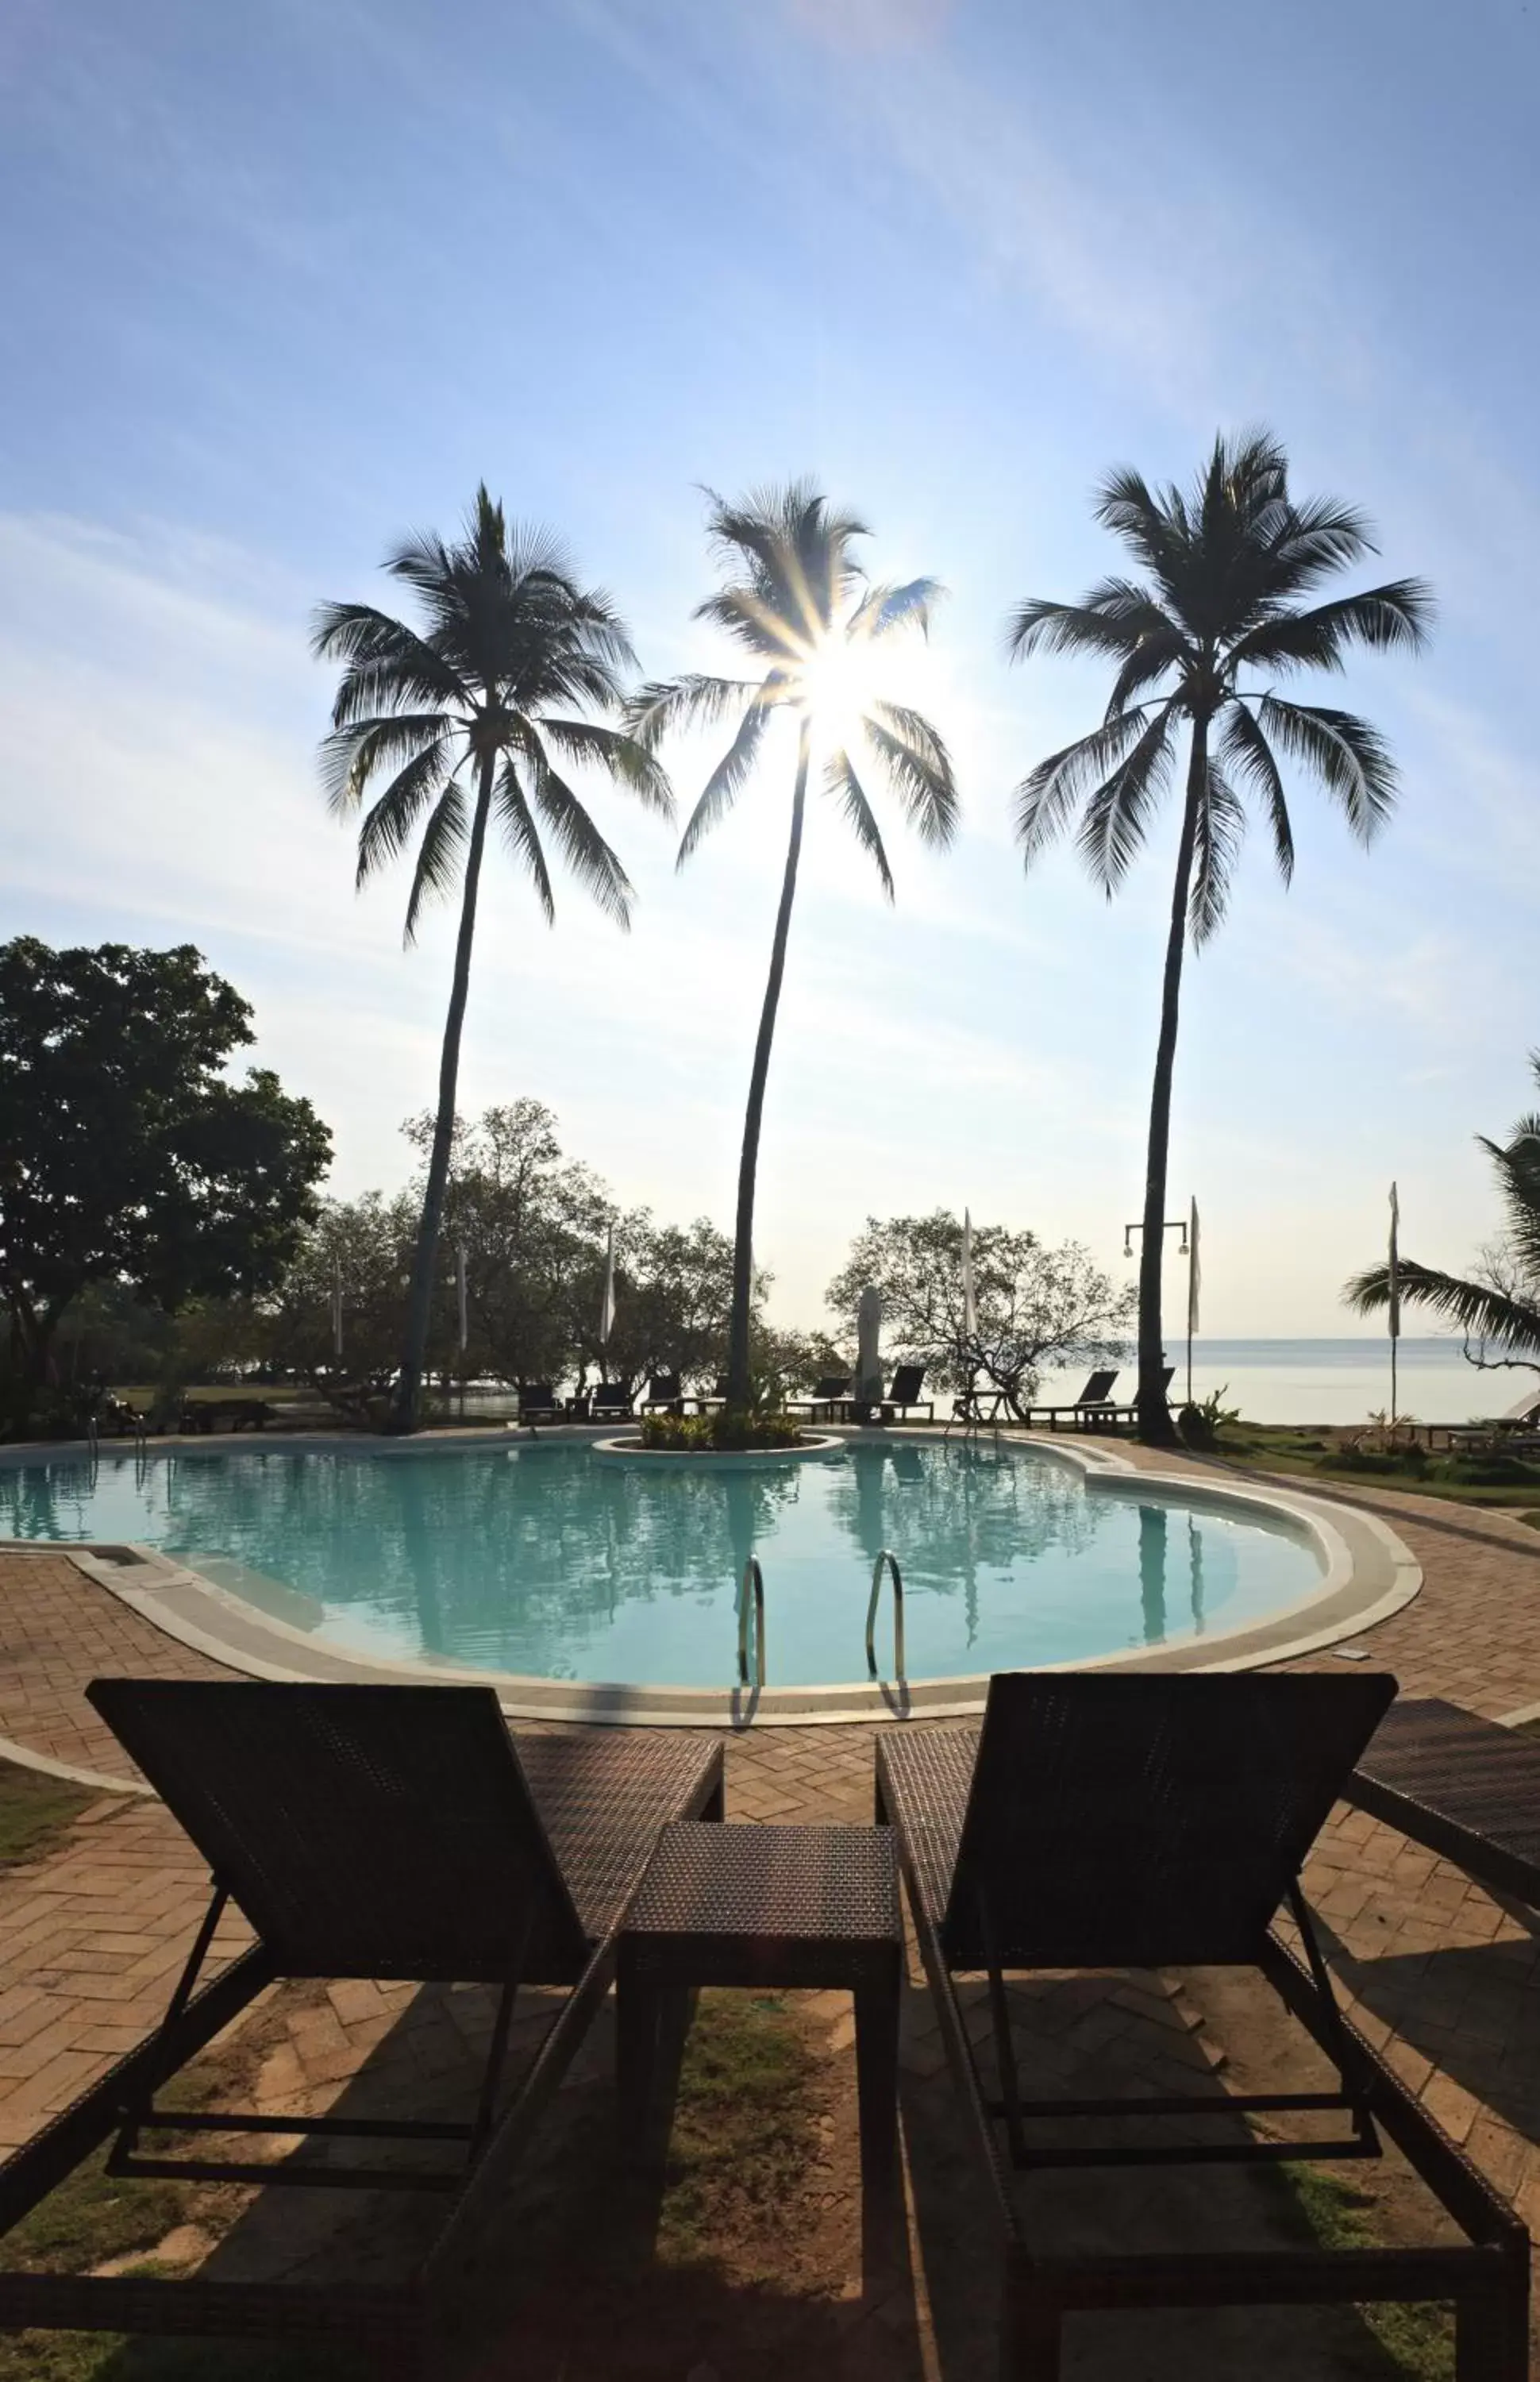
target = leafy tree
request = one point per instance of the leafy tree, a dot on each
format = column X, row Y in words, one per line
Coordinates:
column 798, row 601
column 361, row 1247
column 1034, row 1306
column 1498, row 1306
column 530, row 1220
column 1199, row 639
column 126, row 1155
column 462, row 716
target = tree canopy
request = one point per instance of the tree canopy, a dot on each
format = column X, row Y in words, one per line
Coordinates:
column 1035, row 1306
column 1497, row 1306
column 127, row 1154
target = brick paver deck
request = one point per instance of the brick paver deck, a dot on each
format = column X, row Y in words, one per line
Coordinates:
column 1439, row 1974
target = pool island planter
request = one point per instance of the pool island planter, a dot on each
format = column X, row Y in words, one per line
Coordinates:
column 627, row 1449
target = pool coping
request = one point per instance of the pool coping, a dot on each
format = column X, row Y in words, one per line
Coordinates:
column 1369, row 1574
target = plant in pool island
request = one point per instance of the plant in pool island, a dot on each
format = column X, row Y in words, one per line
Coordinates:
column 465, row 719
column 815, row 631
column 1199, row 638
column 728, row 1430
column 1497, row 1307
column 1034, row 1306
column 128, row 1158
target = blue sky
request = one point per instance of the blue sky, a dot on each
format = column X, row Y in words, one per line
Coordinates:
column 284, row 281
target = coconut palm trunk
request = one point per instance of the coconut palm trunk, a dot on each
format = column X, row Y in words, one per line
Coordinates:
column 406, row 1411
column 1155, row 1414
column 748, row 1165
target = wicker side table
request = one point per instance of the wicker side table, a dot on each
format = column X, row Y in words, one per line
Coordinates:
column 766, row 1907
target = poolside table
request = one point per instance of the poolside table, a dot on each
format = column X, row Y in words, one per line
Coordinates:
column 767, row 1907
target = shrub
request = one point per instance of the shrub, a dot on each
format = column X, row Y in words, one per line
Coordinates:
column 717, row 1434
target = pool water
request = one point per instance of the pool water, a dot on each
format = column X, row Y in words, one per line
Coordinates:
column 551, row 1560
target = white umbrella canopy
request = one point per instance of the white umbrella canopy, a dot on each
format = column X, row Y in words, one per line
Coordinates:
column 868, row 1344
column 606, row 1308
column 970, row 1304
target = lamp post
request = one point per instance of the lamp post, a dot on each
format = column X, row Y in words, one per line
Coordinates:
column 1185, row 1248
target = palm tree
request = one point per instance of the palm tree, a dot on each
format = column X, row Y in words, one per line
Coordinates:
column 461, row 716
column 1201, row 636
column 1500, row 1306
column 795, row 598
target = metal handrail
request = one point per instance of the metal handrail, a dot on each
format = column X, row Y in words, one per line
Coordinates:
column 754, row 1577
column 891, row 1561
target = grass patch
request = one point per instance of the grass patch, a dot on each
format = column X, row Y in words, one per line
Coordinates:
column 36, row 1811
column 1414, row 2341
column 745, row 2131
column 1460, row 1480
column 94, row 2217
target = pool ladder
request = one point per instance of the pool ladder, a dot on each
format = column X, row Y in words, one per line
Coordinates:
column 888, row 1561
column 751, row 1599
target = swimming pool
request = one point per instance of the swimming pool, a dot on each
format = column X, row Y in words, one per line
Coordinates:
column 554, row 1561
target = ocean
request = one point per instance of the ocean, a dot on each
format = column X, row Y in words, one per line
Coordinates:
column 1329, row 1380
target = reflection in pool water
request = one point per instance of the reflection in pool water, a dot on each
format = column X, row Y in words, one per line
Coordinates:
column 548, row 1559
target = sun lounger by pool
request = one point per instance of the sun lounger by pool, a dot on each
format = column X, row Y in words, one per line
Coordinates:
column 611, row 1401
column 664, row 1396
column 537, row 1403
column 1094, row 1399
column 380, row 1832
column 1107, row 1821
column 829, row 1399
column 1467, row 1788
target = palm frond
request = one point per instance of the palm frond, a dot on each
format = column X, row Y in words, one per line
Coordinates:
column 387, row 825
column 1350, row 756
column 1220, row 831
column 1479, row 1309
column 1040, row 625
column 1394, row 617
column 696, row 700
column 389, row 667
column 350, row 756
column 1518, row 1165
column 584, row 851
column 1117, row 814
column 840, row 780
column 439, row 856
column 883, row 608
column 918, row 769
column 1245, row 749
column 727, row 780
column 523, row 836
column 1048, row 793
column 623, row 757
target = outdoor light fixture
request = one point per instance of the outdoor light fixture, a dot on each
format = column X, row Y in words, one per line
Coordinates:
column 1173, row 1224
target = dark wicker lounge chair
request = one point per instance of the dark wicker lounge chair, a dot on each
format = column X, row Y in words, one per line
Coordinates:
column 1117, row 1820
column 1467, row 1788
column 537, row 1403
column 829, row 1397
column 904, row 1396
column 364, row 1831
column 1094, row 1398
column 611, row 1401
column 664, row 1396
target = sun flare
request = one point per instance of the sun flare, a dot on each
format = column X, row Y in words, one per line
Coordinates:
column 839, row 680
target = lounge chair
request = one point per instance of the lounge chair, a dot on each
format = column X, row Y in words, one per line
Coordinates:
column 537, row 1403
column 611, row 1401
column 1117, row 1820
column 1467, row 1788
column 664, row 1396
column 364, row 1831
column 904, row 1396
column 1093, row 1401
column 829, row 1392
column 709, row 1401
